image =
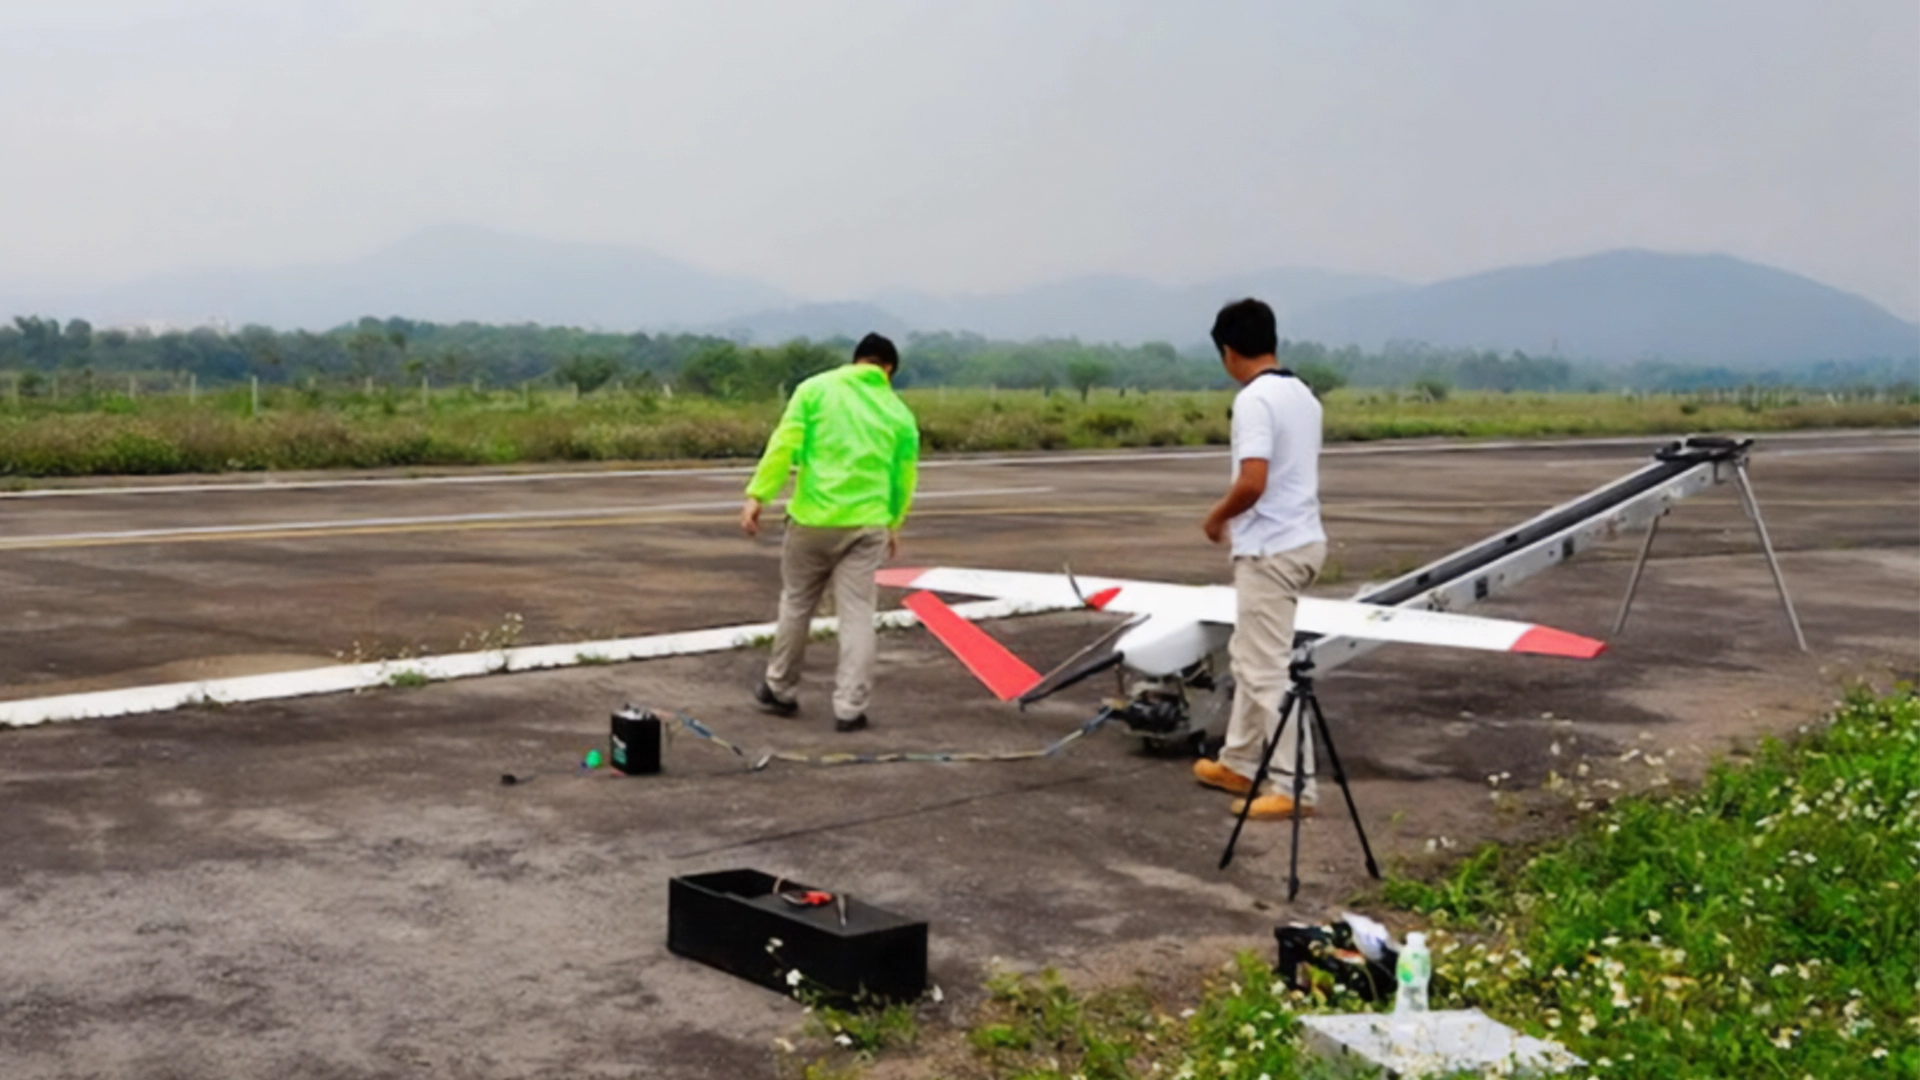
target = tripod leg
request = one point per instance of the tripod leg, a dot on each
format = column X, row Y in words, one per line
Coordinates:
column 1259, row 776
column 1340, row 775
column 1753, row 511
column 1639, row 567
column 1299, row 782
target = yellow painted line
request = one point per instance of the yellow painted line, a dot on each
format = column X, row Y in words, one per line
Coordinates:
column 433, row 522
column 268, row 533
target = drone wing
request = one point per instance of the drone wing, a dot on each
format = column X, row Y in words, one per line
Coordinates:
column 1005, row 674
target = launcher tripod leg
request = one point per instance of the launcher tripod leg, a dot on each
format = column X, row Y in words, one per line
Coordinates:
column 1751, row 503
column 1633, row 583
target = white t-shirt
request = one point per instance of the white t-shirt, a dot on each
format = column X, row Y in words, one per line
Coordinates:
column 1277, row 418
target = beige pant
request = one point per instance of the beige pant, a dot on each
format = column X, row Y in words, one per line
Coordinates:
column 1268, row 590
column 809, row 559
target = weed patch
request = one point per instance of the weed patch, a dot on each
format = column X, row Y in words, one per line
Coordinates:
column 314, row 429
column 1764, row 925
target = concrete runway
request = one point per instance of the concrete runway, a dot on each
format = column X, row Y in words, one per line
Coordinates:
column 340, row 887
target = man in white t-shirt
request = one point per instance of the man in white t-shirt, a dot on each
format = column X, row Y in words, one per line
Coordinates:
column 1272, row 512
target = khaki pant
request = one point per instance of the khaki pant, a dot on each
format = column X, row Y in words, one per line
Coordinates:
column 809, row 559
column 1268, row 589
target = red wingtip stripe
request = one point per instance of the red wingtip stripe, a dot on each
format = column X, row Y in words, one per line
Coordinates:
column 1546, row 641
column 899, row 577
column 1004, row 673
column 1099, row 601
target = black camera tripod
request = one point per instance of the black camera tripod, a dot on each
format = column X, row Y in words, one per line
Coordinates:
column 1299, row 701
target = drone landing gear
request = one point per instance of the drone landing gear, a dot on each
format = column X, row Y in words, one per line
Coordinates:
column 1300, row 702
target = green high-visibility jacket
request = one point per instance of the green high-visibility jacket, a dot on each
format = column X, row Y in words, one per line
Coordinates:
column 857, row 448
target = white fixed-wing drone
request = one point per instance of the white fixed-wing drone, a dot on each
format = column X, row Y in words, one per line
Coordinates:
column 1175, row 633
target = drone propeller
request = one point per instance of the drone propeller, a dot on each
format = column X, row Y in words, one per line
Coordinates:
column 1098, row 601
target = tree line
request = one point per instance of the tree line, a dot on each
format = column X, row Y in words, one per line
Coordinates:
column 403, row 352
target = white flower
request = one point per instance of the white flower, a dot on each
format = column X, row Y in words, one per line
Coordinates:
column 794, row 977
column 938, row 994
column 843, row 1039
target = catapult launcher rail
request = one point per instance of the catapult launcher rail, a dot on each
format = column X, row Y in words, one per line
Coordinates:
column 1635, row 501
column 1477, row 571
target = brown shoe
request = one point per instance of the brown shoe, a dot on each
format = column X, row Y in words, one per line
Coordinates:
column 1271, row 807
column 1215, row 775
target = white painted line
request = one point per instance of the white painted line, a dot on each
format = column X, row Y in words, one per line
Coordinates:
column 446, row 519
column 1827, row 451
column 268, row 484
column 342, row 678
column 1912, row 447
column 1357, row 449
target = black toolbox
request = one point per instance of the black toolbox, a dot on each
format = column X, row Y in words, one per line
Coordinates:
column 733, row 920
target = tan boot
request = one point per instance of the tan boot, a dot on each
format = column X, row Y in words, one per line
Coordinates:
column 1215, row 775
column 1271, row 807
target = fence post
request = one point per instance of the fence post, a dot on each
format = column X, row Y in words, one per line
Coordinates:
column 426, row 401
column 256, row 395
column 193, row 388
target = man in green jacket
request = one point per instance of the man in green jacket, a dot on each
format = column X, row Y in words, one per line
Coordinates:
column 857, row 449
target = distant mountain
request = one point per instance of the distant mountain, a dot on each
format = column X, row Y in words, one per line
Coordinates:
column 851, row 319
column 1127, row 310
column 1626, row 306
column 1615, row 306
column 446, row 274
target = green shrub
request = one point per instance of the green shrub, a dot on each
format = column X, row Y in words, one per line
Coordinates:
column 1764, row 925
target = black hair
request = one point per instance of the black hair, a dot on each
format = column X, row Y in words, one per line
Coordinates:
column 1246, row 325
column 875, row 347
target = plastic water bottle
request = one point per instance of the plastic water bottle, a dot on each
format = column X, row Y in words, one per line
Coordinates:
column 1414, row 969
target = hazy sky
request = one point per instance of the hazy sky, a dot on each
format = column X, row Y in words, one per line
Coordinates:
column 836, row 148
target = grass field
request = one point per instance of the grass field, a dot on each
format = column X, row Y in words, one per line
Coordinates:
column 306, row 429
column 1763, row 925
